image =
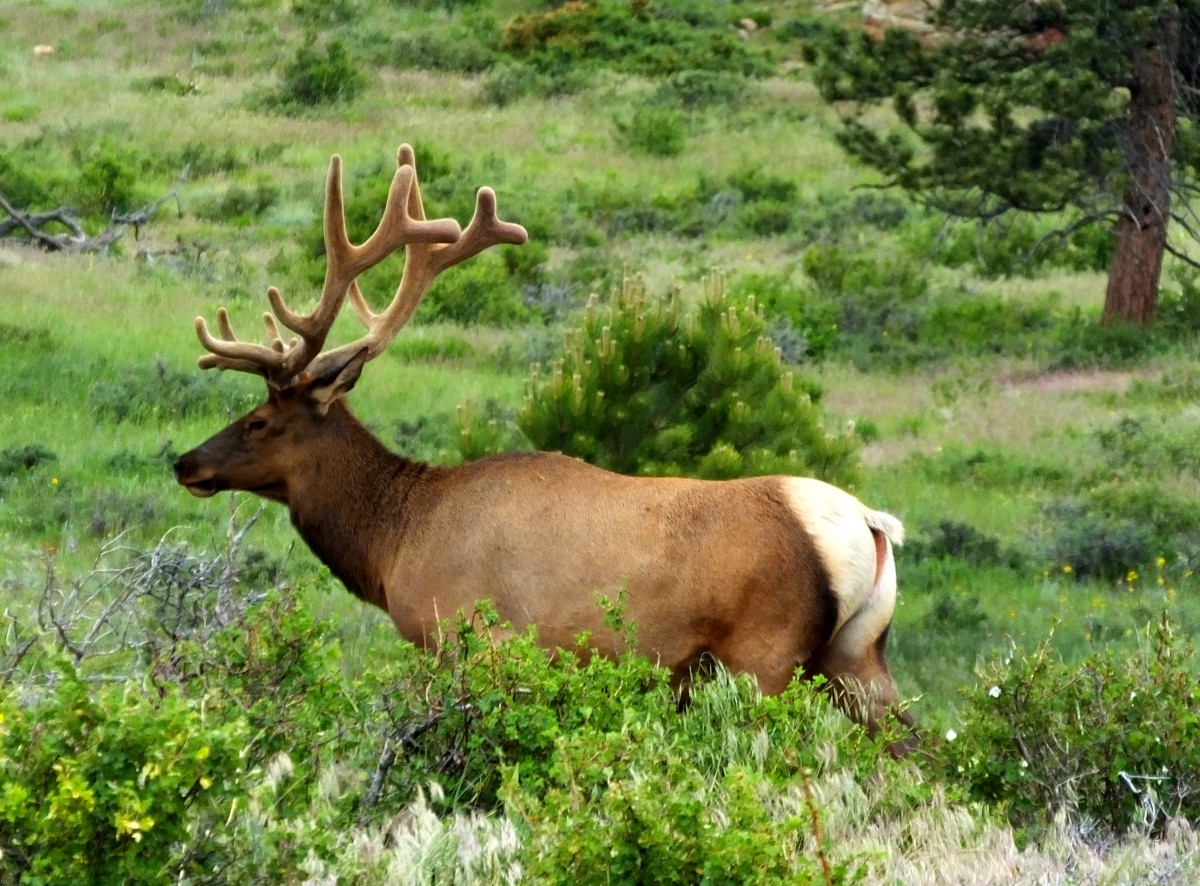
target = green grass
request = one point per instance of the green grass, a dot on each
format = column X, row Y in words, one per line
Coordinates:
column 81, row 335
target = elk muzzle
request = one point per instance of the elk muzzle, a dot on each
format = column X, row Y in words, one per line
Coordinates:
column 198, row 479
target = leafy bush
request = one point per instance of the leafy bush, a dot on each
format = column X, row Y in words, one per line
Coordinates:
column 646, row 388
column 16, row 459
column 988, row 467
column 487, row 430
column 144, row 715
column 638, row 38
column 157, row 392
column 240, row 204
column 1081, row 342
column 480, row 291
column 109, row 783
column 510, row 82
column 695, row 90
column 22, row 182
column 320, row 14
column 1022, row 245
column 315, row 78
column 1113, row 743
column 108, row 182
column 466, row 47
column 662, row 821
column 1177, row 316
column 1120, row 525
column 633, row 801
column 810, row 316
column 653, row 130
column 1128, row 510
column 951, row 538
column 172, row 84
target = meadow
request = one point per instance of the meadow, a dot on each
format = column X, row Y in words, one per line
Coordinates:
column 1045, row 467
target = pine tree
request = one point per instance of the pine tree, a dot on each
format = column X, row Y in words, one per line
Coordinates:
column 646, row 387
column 1080, row 107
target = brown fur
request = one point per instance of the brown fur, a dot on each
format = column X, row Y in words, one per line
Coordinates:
column 766, row 574
column 709, row 568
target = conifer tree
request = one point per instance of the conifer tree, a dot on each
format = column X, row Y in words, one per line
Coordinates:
column 647, row 387
column 1080, row 107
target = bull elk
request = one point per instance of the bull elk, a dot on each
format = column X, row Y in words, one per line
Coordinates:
column 766, row 575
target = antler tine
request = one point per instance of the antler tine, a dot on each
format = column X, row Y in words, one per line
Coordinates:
column 228, row 352
column 486, row 229
column 423, row 262
column 403, row 224
column 406, row 157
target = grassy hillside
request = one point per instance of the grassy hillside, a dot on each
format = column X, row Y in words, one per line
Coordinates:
column 1044, row 467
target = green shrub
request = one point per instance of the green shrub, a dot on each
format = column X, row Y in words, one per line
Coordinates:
column 488, row 429
column 109, row 783
column 17, row 459
column 635, row 800
column 661, row 821
column 1079, row 341
column 1145, row 447
column 1113, row 743
column 479, row 708
column 506, row 83
column 478, row 292
column 653, row 130
column 109, row 182
column 1177, row 316
column 695, row 90
column 646, row 388
column 767, row 218
column 156, row 392
column 753, row 183
column 1128, row 510
column 952, row 538
column 321, row 14
column 172, row 84
column 240, row 204
column 812, row 317
column 23, row 183
column 464, row 48
column 314, row 77
column 1022, row 245
column 634, row 38
column 987, row 467
column 1121, row 524
column 203, row 158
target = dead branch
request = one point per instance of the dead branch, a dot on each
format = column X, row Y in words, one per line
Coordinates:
column 78, row 240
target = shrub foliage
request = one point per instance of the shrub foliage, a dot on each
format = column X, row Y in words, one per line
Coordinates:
column 645, row 386
column 1114, row 742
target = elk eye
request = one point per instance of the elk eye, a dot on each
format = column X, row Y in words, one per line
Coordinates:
column 257, row 424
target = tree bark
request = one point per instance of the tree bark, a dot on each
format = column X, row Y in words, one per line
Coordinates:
column 1141, row 232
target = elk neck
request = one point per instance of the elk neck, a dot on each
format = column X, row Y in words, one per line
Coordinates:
column 352, row 500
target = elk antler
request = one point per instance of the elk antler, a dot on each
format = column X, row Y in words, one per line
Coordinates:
column 430, row 248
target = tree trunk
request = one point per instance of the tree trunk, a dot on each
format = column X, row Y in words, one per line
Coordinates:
column 1141, row 232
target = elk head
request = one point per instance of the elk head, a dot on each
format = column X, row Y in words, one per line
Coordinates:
column 305, row 387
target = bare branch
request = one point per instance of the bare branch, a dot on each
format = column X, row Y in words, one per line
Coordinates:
column 78, row 239
column 1061, row 234
column 1182, row 256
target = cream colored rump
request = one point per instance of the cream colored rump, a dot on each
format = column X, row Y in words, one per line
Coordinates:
column 841, row 530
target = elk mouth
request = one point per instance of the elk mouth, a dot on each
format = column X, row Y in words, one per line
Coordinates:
column 202, row 488
column 198, row 481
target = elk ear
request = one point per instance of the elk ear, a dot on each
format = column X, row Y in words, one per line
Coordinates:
column 337, row 381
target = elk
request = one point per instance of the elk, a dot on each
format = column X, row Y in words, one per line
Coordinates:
column 766, row 575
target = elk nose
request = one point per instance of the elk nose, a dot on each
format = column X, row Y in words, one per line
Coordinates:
column 181, row 466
